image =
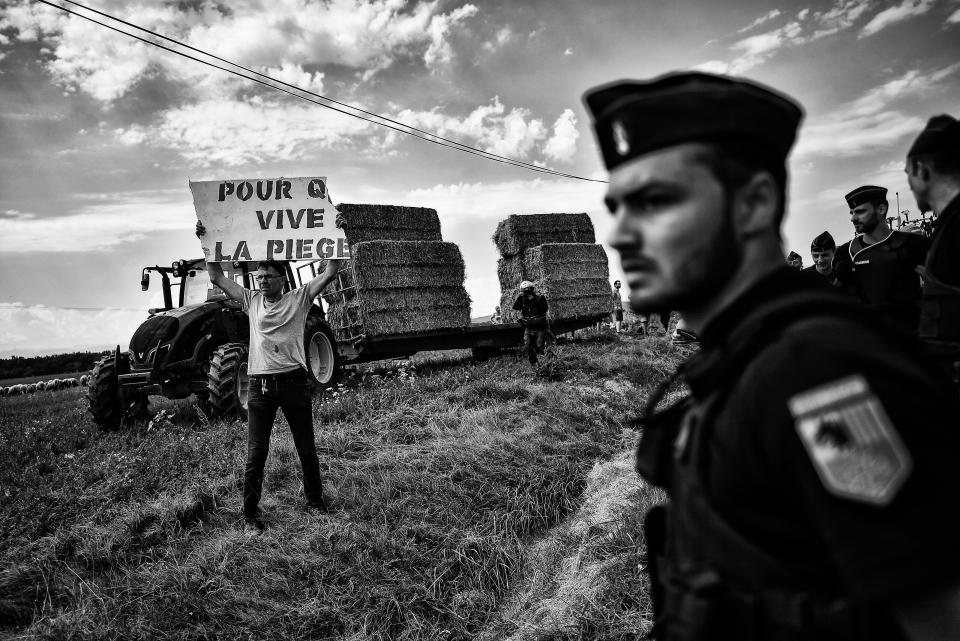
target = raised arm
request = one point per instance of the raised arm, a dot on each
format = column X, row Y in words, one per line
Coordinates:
column 217, row 277
column 315, row 286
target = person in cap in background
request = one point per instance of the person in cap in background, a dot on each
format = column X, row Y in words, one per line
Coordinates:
column 533, row 316
column 795, row 260
column 806, row 497
column 822, row 250
column 933, row 171
column 617, row 315
column 879, row 266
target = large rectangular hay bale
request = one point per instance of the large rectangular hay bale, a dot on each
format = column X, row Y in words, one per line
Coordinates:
column 571, row 298
column 388, row 264
column 361, row 222
column 562, row 261
column 399, row 287
column 518, row 232
column 380, row 312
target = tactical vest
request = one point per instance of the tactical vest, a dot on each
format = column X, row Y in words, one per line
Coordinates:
column 704, row 572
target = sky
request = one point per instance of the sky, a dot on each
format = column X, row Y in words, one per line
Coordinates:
column 100, row 133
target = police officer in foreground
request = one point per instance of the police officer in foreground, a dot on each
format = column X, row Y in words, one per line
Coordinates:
column 879, row 265
column 822, row 250
column 933, row 171
column 807, row 490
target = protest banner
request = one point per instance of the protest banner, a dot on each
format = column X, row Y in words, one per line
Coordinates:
column 268, row 219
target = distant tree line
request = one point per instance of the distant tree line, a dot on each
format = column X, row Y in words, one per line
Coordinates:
column 24, row 366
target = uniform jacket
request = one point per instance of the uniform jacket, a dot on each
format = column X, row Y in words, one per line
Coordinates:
column 883, row 275
column 804, row 412
column 940, row 300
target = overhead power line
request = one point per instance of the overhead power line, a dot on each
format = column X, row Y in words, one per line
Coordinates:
column 262, row 79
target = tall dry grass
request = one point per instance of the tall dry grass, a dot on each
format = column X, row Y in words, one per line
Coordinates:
column 463, row 490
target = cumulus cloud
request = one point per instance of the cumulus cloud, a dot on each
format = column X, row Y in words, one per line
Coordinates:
column 440, row 52
column 898, row 13
column 954, row 17
column 228, row 132
column 767, row 17
column 808, row 26
column 511, row 133
column 562, row 144
column 286, row 35
column 101, row 222
column 871, row 122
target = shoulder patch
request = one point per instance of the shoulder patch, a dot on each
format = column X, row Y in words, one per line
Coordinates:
column 851, row 441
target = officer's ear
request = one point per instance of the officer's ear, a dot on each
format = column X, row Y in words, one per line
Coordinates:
column 756, row 205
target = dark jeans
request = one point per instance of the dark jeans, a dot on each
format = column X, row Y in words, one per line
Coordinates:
column 291, row 394
column 533, row 342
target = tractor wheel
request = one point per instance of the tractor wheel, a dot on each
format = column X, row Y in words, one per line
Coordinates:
column 227, row 381
column 323, row 359
column 103, row 393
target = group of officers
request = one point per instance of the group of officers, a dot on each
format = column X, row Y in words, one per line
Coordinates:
column 880, row 267
column 811, row 462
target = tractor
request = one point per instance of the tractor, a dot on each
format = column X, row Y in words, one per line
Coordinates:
column 198, row 346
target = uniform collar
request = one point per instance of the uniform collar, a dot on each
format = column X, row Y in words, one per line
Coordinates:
column 706, row 369
column 779, row 280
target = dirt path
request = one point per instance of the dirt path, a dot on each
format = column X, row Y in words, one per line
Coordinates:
column 588, row 569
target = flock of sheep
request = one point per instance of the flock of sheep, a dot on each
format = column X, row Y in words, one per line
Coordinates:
column 44, row 386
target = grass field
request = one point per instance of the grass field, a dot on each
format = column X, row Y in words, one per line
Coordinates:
column 476, row 501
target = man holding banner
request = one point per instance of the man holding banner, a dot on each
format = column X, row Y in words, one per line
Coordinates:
column 242, row 215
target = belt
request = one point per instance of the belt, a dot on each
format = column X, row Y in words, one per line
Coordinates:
column 279, row 376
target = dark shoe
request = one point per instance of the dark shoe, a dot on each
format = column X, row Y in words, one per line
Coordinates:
column 253, row 523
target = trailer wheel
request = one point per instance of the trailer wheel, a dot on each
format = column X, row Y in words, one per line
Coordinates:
column 323, row 359
column 103, row 392
column 228, row 385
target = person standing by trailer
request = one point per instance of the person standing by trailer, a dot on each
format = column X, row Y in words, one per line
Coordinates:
column 617, row 314
column 533, row 315
column 933, row 171
column 806, row 492
column 277, row 368
column 879, row 266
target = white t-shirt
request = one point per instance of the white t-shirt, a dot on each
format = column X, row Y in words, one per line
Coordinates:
column 276, row 331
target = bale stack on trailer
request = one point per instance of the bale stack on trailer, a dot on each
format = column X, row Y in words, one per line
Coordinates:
column 557, row 252
column 401, row 277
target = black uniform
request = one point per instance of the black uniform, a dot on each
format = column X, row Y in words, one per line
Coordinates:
column 829, row 279
column 808, row 474
column 533, row 311
column 883, row 275
column 940, row 301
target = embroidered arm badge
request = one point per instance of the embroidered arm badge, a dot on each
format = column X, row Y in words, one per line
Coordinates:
column 851, row 441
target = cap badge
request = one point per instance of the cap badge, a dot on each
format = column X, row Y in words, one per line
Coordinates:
column 620, row 139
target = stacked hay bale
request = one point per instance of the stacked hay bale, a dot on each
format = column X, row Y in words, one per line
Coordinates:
column 557, row 252
column 401, row 277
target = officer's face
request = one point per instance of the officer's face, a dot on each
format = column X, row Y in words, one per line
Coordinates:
column 866, row 217
column 672, row 229
column 823, row 261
